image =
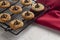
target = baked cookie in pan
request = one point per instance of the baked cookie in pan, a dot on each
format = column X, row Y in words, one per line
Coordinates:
column 28, row 15
column 4, row 17
column 15, row 9
column 26, row 2
column 38, row 7
column 16, row 24
column 4, row 4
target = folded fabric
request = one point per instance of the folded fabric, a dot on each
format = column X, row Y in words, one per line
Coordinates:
column 51, row 18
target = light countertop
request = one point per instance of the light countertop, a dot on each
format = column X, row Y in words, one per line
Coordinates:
column 33, row 32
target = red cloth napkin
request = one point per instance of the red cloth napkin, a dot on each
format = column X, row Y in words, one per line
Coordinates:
column 51, row 18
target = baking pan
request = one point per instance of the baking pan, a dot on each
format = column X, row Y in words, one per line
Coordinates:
column 6, row 26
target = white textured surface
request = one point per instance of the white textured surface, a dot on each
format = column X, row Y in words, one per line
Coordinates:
column 33, row 32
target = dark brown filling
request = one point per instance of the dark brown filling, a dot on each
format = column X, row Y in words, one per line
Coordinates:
column 15, row 8
column 16, row 23
column 26, row 1
column 3, row 3
column 37, row 5
column 3, row 16
column 27, row 14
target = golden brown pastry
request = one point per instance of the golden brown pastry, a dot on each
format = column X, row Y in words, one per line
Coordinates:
column 16, row 24
column 28, row 15
column 4, row 17
column 4, row 4
column 26, row 2
column 15, row 9
column 37, row 7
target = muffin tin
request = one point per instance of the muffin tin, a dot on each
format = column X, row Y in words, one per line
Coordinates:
column 6, row 26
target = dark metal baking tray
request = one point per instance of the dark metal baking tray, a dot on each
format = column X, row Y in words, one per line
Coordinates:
column 26, row 22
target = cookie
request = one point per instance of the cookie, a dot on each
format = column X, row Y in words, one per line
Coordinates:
column 4, row 4
column 15, row 9
column 37, row 7
column 16, row 24
column 4, row 17
column 26, row 2
column 28, row 15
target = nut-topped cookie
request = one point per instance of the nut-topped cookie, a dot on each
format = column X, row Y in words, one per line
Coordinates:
column 15, row 9
column 37, row 7
column 28, row 15
column 16, row 24
column 4, row 4
column 26, row 2
column 4, row 17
